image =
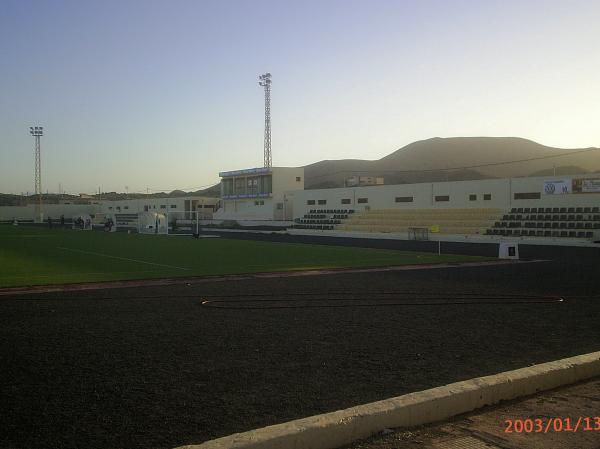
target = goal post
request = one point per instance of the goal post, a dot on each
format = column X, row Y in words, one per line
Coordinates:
column 184, row 222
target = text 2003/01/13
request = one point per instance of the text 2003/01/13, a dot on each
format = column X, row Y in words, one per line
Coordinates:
column 557, row 424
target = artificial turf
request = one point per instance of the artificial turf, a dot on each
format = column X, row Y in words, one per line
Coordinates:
column 35, row 255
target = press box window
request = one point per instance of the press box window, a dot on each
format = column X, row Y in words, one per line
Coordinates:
column 528, row 196
column 346, row 201
column 322, row 201
column 404, row 199
column 487, row 197
column 173, row 206
column 442, row 198
column 472, row 197
column 362, row 200
column 298, row 179
column 310, row 202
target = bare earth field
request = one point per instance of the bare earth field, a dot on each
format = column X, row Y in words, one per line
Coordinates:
column 154, row 367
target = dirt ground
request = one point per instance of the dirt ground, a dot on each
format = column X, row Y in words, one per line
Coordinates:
column 564, row 418
column 154, row 367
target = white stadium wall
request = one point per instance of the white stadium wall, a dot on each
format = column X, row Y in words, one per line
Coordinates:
column 286, row 179
column 503, row 194
column 246, row 209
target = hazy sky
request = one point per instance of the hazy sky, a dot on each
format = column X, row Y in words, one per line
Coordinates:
column 164, row 94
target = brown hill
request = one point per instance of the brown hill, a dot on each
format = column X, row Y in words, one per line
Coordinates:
column 457, row 159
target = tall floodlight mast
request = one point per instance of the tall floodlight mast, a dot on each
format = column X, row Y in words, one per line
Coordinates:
column 37, row 132
column 265, row 81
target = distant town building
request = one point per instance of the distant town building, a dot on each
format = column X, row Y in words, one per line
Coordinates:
column 361, row 181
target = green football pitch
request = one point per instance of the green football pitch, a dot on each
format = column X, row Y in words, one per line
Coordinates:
column 34, row 255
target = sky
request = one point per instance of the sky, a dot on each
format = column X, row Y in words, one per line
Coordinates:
column 162, row 95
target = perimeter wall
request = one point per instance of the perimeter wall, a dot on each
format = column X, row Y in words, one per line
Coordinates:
column 562, row 191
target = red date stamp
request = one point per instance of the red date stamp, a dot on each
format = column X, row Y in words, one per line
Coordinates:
column 556, row 424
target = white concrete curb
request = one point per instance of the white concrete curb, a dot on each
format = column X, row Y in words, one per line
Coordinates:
column 332, row 430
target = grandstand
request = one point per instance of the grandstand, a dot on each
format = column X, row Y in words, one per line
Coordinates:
column 555, row 222
column 537, row 207
column 323, row 219
column 446, row 221
column 570, row 222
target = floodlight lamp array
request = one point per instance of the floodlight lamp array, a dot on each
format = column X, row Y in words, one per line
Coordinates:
column 264, row 80
column 36, row 130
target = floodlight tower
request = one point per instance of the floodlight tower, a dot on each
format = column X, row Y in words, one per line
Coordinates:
column 37, row 132
column 265, row 81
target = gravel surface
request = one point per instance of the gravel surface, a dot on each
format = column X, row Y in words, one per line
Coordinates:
column 152, row 367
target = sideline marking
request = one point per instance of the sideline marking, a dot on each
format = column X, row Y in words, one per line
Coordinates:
column 20, row 236
column 91, row 273
column 121, row 258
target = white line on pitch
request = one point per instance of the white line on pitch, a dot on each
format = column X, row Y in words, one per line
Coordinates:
column 121, row 258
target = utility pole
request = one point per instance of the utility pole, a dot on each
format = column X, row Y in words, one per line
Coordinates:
column 265, row 81
column 37, row 132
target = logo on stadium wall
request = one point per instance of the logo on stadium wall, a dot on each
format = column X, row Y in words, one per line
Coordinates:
column 559, row 187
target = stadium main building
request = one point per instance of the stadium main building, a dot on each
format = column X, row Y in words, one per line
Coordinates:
column 559, row 210
column 566, row 207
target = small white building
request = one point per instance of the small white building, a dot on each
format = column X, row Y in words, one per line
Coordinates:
column 205, row 206
column 259, row 194
column 124, row 211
